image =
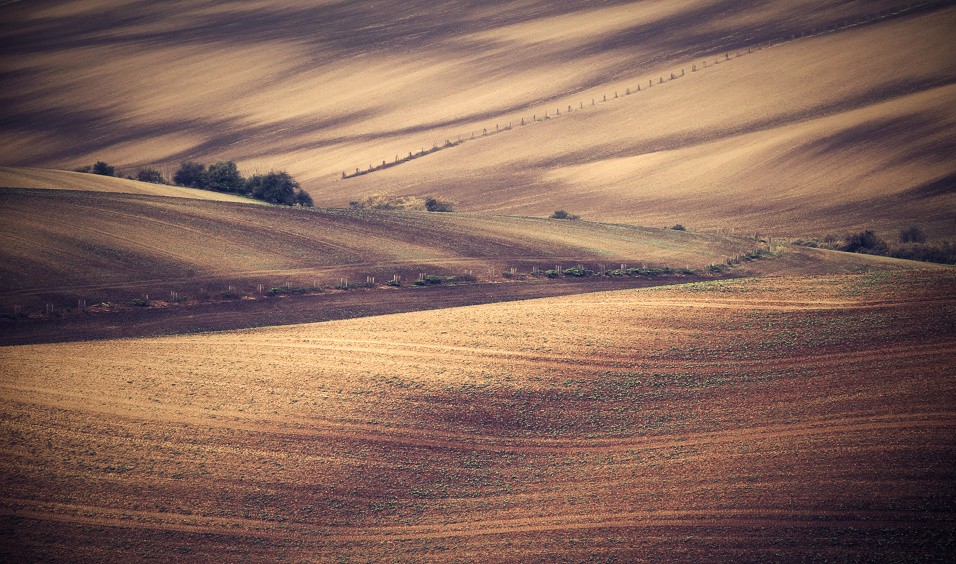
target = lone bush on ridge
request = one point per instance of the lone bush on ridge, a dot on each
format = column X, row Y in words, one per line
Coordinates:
column 562, row 214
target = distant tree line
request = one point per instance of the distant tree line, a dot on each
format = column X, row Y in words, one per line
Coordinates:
column 222, row 176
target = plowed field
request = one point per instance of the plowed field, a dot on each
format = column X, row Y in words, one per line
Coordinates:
column 755, row 419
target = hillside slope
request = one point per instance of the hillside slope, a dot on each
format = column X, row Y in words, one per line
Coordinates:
column 46, row 179
column 783, row 419
column 850, row 130
column 61, row 246
column 847, row 129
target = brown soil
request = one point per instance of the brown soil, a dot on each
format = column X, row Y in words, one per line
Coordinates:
column 785, row 418
column 60, row 247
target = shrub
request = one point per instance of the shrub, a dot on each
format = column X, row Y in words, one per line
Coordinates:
column 140, row 302
column 562, row 214
column 151, row 175
column 865, row 242
column 436, row 205
column 552, row 273
column 432, row 280
column 756, row 254
column 912, row 235
column 292, row 290
column 679, row 227
column 103, row 169
column 943, row 253
column 577, row 271
column 190, row 174
column 649, row 271
column 277, row 188
column 84, row 168
column 394, row 283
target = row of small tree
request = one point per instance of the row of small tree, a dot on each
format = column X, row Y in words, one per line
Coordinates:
column 222, row 176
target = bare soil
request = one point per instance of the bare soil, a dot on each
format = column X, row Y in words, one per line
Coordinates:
column 784, row 418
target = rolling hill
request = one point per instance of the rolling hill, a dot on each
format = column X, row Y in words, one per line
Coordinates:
column 840, row 118
column 787, row 418
column 47, row 179
column 166, row 389
column 843, row 131
column 60, row 246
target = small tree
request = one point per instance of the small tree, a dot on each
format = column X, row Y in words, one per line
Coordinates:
column 103, row 169
column 190, row 174
column 912, row 235
column 151, row 175
column 277, row 188
column 224, row 176
column 679, row 227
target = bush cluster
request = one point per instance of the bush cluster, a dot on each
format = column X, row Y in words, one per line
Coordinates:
column 943, row 253
column 224, row 176
column 432, row 280
column 912, row 245
column 580, row 271
column 105, row 169
column 865, row 242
